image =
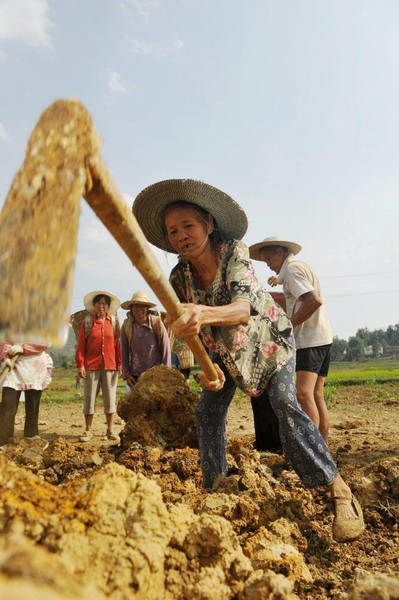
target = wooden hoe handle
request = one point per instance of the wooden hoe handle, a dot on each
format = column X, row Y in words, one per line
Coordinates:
column 106, row 201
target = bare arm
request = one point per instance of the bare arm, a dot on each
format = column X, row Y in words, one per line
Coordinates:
column 310, row 303
column 197, row 315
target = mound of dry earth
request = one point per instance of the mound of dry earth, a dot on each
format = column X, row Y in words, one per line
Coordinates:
column 159, row 411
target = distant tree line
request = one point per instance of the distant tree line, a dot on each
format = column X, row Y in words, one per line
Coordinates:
column 370, row 344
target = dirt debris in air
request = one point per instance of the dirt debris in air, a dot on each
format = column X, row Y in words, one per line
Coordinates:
column 132, row 521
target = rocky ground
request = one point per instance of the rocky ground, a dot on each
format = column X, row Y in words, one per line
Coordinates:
column 132, row 521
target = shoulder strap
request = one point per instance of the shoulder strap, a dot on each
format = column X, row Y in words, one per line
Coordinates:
column 116, row 326
column 128, row 327
column 156, row 324
column 88, row 323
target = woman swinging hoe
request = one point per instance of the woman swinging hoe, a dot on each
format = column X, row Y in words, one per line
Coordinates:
column 249, row 336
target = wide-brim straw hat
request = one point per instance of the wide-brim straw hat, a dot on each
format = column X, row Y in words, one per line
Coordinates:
column 150, row 205
column 89, row 306
column 140, row 298
column 293, row 247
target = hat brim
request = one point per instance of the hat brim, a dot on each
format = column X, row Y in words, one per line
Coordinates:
column 255, row 248
column 150, row 205
column 126, row 305
column 89, row 306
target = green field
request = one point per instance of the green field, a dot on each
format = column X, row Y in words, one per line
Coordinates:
column 372, row 371
column 62, row 388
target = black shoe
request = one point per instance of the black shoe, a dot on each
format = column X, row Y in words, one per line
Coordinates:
column 277, row 450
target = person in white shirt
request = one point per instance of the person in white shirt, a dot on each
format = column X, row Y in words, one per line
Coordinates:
column 305, row 306
column 30, row 375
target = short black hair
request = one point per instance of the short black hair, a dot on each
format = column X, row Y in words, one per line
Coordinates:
column 99, row 296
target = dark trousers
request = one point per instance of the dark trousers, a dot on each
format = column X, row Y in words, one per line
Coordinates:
column 8, row 410
column 267, row 437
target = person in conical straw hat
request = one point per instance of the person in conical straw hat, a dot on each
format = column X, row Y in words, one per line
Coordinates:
column 249, row 336
column 98, row 359
column 307, row 310
column 144, row 339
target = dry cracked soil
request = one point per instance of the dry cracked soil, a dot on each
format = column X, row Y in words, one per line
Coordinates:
column 96, row 520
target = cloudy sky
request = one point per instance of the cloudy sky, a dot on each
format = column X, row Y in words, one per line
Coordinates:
column 290, row 106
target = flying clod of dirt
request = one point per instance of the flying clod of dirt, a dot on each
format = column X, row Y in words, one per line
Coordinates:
column 159, row 411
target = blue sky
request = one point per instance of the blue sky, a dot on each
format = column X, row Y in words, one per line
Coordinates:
column 289, row 106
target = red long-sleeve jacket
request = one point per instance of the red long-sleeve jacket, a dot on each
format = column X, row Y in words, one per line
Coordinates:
column 101, row 349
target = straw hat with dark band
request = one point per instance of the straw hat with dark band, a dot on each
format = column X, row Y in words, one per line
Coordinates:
column 89, row 306
column 139, row 298
column 293, row 247
column 150, row 205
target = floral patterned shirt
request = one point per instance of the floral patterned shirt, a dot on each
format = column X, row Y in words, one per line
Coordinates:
column 252, row 353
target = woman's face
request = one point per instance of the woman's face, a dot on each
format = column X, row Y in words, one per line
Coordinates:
column 187, row 231
column 101, row 307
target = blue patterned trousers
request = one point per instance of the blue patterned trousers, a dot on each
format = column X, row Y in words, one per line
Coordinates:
column 300, row 438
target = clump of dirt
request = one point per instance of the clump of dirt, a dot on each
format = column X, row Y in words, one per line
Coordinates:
column 58, row 461
column 375, row 587
column 110, row 531
column 159, row 411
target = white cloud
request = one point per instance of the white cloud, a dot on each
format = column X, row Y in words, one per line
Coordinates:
column 142, row 48
column 4, row 135
column 2, row 55
column 138, row 47
column 26, row 21
column 177, row 45
column 144, row 7
column 116, row 83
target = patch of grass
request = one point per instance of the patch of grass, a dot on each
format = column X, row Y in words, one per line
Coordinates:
column 320, row 547
column 62, row 388
column 238, row 396
column 330, row 392
column 367, row 372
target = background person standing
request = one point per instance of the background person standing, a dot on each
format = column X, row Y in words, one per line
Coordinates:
column 31, row 375
column 306, row 308
column 98, row 358
column 144, row 339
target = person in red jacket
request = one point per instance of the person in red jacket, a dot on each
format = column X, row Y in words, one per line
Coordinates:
column 98, row 359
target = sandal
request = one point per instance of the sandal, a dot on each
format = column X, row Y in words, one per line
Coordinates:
column 346, row 529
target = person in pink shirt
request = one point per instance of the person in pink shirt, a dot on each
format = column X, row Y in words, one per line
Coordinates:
column 98, row 359
column 144, row 339
column 30, row 374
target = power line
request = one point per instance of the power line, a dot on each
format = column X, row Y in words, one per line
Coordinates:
column 362, row 293
column 359, row 275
